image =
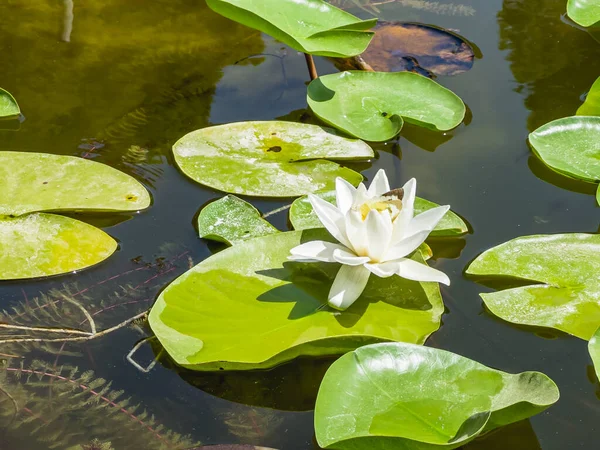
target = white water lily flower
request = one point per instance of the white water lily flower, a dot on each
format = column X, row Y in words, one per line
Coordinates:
column 377, row 231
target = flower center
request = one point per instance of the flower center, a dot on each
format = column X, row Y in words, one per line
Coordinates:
column 390, row 203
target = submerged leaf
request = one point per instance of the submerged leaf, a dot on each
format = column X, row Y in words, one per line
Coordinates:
column 303, row 217
column 404, row 397
column 248, row 307
column 231, row 220
column 35, row 182
column 39, row 245
column 570, row 146
column 268, row 159
column 584, row 12
column 591, row 106
column 309, row 26
column 372, row 105
column 8, row 105
column 566, row 268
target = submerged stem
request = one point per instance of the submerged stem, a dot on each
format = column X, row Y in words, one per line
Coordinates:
column 312, row 69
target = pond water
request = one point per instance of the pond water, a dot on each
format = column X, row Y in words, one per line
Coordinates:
column 119, row 81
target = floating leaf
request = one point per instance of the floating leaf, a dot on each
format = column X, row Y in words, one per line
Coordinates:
column 309, row 26
column 8, row 105
column 231, row 220
column 416, row 47
column 33, row 182
column 566, row 266
column 247, row 307
column 591, row 106
column 268, row 159
column 39, row 245
column 402, row 396
column 372, row 105
column 303, row 217
column 594, row 349
column 584, row 12
column 570, row 146
column 230, row 447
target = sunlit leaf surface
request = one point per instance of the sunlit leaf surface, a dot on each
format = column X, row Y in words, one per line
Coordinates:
column 397, row 396
column 248, row 307
column 565, row 287
column 8, row 105
column 268, row 159
column 584, row 12
column 591, row 106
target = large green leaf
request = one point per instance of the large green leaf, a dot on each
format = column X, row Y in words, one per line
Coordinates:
column 594, row 349
column 38, row 245
column 231, row 220
column 33, row 182
column 309, row 26
column 566, row 266
column 570, row 146
column 303, row 217
column 591, row 106
column 372, row 105
column 397, row 396
column 248, row 307
column 584, row 12
column 8, row 105
column 268, row 159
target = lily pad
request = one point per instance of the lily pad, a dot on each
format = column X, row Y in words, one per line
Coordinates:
column 408, row 397
column 416, row 47
column 303, row 217
column 570, row 146
column 584, row 12
column 247, row 307
column 564, row 268
column 594, row 349
column 591, row 106
column 35, row 182
column 8, row 105
column 231, row 220
column 40, row 245
column 373, row 105
column 268, row 159
column 309, row 26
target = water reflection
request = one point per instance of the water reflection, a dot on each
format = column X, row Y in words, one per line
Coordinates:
column 553, row 63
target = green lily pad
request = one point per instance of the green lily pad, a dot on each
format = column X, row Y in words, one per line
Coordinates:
column 268, row 159
column 570, row 146
column 565, row 268
column 309, row 26
column 231, row 220
column 584, row 12
column 303, row 217
column 408, row 397
column 40, row 245
column 247, row 307
column 8, row 105
column 594, row 349
column 373, row 105
column 35, row 182
column 591, row 106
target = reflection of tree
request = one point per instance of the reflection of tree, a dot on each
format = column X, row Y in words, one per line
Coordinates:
column 553, row 62
column 134, row 73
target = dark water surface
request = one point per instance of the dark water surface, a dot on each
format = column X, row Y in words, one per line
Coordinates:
column 136, row 75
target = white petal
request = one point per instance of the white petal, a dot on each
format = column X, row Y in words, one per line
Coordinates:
column 427, row 220
column 356, row 231
column 379, row 231
column 343, row 256
column 361, row 195
column 408, row 203
column 315, row 251
column 406, row 246
column 344, row 194
column 413, row 270
column 349, row 283
column 331, row 218
column 380, row 184
column 384, row 270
